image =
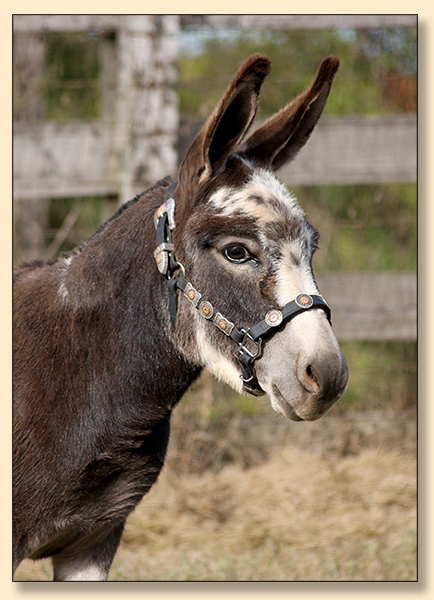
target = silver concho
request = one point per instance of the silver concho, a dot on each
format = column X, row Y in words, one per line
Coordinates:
column 191, row 294
column 162, row 260
column 206, row 309
column 304, row 301
column 273, row 318
column 223, row 324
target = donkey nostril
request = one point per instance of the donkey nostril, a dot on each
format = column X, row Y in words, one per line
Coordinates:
column 311, row 378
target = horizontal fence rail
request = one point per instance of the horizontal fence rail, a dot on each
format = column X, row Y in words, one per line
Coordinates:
column 357, row 150
column 261, row 22
column 79, row 158
column 372, row 306
column 79, row 23
column 55, row 160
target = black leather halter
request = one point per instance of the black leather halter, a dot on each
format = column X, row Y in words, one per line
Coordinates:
column 249, row 341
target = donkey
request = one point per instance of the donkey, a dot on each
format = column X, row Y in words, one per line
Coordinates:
column 213, row 270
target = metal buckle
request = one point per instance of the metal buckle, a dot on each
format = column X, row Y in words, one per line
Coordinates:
column 246, row 358
column 243, row 349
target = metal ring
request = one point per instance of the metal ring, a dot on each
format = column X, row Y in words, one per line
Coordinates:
column 181, row 266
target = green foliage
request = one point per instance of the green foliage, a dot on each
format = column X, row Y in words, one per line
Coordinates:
column 365, row 57
column 91, row 214
column 383, row 376
column 72, row 77
column 363, row 227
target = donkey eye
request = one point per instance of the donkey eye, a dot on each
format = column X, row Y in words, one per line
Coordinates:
column 238, row 254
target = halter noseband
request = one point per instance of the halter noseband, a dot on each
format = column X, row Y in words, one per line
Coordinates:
column 249, row 341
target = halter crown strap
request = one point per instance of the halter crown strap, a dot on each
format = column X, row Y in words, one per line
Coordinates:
column 249, row 341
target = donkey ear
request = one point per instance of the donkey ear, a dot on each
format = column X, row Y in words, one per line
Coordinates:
column 229, row 121
column 280, row 138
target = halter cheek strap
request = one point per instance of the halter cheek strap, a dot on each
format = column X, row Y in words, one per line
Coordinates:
column 249, row 341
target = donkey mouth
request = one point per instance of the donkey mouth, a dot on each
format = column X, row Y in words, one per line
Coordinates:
column 311, row 408
column 283, row 406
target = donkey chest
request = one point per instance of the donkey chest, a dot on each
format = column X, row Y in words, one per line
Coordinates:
column 103, row 492
column 127, row 465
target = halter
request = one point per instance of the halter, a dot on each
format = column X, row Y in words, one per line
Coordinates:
column 249, row 341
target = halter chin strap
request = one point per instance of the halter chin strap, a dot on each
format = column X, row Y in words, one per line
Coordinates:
column 249, row 341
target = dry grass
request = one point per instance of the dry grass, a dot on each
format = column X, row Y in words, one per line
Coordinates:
column 339, row 510
column 295, row 517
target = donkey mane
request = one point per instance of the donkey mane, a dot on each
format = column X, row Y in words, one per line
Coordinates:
column 25, row 267
column 164, row 182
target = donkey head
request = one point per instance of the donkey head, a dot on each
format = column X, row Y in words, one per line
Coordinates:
column 246, row 250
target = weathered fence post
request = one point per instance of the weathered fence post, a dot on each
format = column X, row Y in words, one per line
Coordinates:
column 146, row 122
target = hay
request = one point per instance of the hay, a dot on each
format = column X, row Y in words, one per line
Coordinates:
column 294, row 503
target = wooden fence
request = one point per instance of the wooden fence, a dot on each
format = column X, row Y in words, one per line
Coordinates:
column 372, row 306
column 134, row 143
column 55, row 160
column 276, row 22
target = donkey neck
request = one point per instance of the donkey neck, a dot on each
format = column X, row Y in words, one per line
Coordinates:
column 115, row 276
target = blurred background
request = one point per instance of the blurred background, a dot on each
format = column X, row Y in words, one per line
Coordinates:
column 104, row 105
